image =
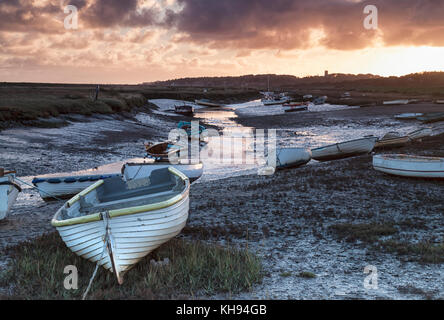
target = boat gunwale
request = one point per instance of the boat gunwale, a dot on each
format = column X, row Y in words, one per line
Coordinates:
column 345, row 142
column 408, row 158
column 94, row 217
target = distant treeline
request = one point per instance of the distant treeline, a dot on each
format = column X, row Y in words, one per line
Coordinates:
column 260, row 82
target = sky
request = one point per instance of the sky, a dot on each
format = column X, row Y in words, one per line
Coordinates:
column 135, row 41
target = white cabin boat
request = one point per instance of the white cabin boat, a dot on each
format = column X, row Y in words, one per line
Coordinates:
column 344, row 149
column 292, row 157
column 116, row 223
column 9, row 191
column 409, row 166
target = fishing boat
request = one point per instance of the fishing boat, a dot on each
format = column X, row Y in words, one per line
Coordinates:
column 116, row 223
column 432, row 117
column 408, row 116
column 207, row 103
column 292, row 157
column 65, row 187
column 392, row 140
column 161, row 150
column 410, row 166
column 138, row 170
column 9, row 190
column 421, row 133
column 396, row 102
column 187, row 126
column 184, row 110
column 344, row 149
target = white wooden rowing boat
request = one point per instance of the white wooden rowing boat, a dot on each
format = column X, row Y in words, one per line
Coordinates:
column 410, row 166
column 116, row 223
column 396, row 102
column 65, row 187
column 344, row 149
column 138, row 170
column 9, row 191
column 421, row 133
column 408, row 116
column 292, row 157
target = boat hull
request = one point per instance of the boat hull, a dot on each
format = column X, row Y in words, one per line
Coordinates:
column 292, row 157
column 409, row 166
column 64, row 188
column 8, row 195
column 344, row 149
column 392, row 143
column 421, row 133
column 142, row 170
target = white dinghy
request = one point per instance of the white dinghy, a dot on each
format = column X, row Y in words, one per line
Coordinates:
column 410, row 166
column 143, row 169
column 408, row 116
column 116, row 223
column 292, row 157
column 344, row 149
column 9, row 191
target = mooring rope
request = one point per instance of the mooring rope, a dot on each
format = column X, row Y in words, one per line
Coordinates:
column 40, row 190
column 105, row 216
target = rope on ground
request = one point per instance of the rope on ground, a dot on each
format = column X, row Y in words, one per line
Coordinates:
column 105, row 217
column 40, row 190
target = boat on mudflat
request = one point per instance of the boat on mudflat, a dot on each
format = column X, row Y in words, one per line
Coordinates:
column 409, row 166
column 9, row 190
column 184, row 110
column 208, row 103
column 408, row 116
column 295, row 107
column 138, row 170
column 344, row 149
column 420, row 133
column 396, row 102
column 64, row 187
column 432, row 117
column 161, row 150
column 292, row 157
column 116, row 224
column 392, row 140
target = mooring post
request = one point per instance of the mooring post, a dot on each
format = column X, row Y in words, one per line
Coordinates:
column 97, row 93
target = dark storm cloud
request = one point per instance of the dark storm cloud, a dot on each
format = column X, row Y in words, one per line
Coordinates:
column 247, row 24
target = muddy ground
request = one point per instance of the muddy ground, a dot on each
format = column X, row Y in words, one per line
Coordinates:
column 316, row 227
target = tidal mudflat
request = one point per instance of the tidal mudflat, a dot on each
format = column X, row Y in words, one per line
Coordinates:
column 315, row 228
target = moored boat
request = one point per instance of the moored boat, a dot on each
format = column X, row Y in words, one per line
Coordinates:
column 207, row 103
column 296, row 108
column 184, row 110
column 292, row 157
column 116, row 223
column 409, row 166
column 396, row 102
column 432, row 117
column 408, row 116
column 161, row 150
column 188, row 127
column 9, row 190
column 65, row 187
column 138, row 170
column 344, row 149
column 420, row 133
column 392, row 140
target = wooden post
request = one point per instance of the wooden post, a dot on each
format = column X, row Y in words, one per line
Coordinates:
column 2, row 172
column 97, row 93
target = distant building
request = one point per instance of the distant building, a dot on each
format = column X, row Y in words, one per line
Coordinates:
column 326, row 73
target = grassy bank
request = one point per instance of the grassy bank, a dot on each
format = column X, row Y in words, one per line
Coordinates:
column 36, row 272
column 21, row 102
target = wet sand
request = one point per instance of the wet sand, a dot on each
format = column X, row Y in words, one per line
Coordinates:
column 286, row 218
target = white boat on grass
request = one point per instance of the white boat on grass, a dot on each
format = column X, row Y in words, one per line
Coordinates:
column 409, row 166
column 344, row 149
column 292, row 157
column 9, row 191
column 116, row 223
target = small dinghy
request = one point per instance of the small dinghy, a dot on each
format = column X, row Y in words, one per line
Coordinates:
column 116, row 223
column 161, row 150
column 344, row 149
column 395, row 102
column 408, row 116
column 207, row 103
column 9, row 191
column 295, row 107
column 292, row 157
column 432, row 117
column 187, row 126
column 392, row 140
column 138, row 170
column 421, row 133
column 409, row 166
column 65, row 187
column 184, row 110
